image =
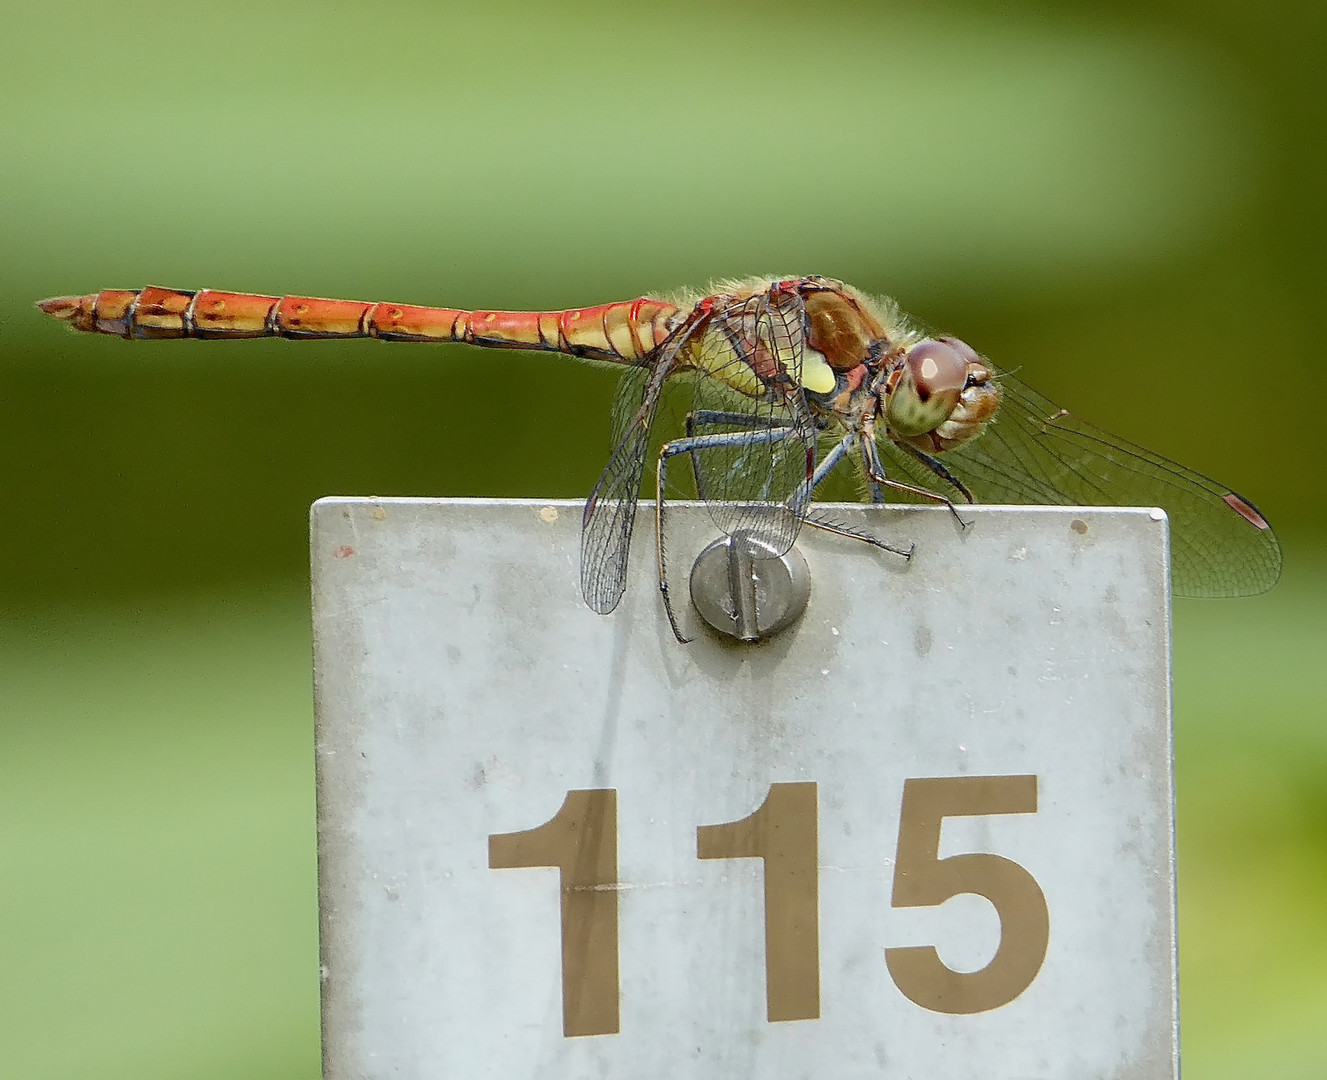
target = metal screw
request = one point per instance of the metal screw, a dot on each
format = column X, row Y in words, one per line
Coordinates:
column 741, row 586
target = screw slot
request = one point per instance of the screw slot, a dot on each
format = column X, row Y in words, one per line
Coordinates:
column 743, row 588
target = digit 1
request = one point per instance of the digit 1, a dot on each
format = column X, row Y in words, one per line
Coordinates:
column 783, row 832
column 581, row 841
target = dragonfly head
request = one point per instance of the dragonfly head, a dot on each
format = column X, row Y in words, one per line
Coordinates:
column 940, row 395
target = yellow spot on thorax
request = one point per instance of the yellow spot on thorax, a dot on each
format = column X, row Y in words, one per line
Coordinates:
column 816, row 374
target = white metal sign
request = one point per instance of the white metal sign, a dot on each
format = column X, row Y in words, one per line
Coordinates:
column 925, row 832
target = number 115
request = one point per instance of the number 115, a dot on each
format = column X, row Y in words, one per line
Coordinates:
column 580, row 840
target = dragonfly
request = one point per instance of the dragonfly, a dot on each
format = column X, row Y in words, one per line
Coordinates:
column 790, row 379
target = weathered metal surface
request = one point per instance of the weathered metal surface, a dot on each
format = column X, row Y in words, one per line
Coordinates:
column 474, row 718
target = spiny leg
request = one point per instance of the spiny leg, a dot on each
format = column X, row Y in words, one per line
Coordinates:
column 936, row 466
column 840, row 451
column 839, row 529
column 875, row 473
column 837, row 454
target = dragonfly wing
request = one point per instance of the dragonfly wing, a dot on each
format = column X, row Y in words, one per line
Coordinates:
column 754, row 473
column 610, row 512
column 1036, row 452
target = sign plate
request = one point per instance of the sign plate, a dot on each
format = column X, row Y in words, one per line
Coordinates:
column 926, row 831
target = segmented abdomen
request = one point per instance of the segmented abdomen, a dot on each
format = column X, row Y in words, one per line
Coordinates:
column 622, row 332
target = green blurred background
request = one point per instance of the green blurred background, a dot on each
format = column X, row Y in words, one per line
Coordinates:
column 1123, row 202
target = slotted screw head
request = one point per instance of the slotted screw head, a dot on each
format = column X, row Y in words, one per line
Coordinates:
column 742, row 588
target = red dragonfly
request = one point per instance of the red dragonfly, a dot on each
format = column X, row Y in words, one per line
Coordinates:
column 789, row 377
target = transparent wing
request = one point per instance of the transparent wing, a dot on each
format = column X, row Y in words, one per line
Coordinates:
column 1036, row 452
column 610, row 511
column 750, row 413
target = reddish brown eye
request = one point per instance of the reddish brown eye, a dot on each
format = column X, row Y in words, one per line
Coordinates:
column 938, row 367
column 963, row 349
column 927, row 388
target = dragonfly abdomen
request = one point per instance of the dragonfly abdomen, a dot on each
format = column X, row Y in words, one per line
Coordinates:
column 625, row 332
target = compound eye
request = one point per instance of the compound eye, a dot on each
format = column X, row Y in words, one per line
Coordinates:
column 963, row 349
column 938, row 367
column 931, row 380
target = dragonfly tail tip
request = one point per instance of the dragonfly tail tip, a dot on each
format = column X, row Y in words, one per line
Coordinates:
column 61, row 307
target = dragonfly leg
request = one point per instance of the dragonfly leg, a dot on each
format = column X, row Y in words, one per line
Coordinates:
column 714, row 416
column 836, row 455
column 691, row 445
column 875, row 473
column 749, row 421
column 840, row 529
column 937, row 467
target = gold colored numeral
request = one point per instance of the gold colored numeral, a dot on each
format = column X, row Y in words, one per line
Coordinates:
column 783, row 832
column 581, row 841
column 922, row 879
